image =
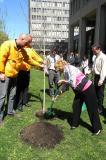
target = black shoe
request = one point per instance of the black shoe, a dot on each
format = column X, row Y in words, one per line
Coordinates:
column 11, row 113
column 100, row 111
column 20, row 109
column 14, row 115
column 27, row 105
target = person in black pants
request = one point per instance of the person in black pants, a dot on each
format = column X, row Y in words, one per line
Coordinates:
column 24, row 77
column 89, row 97
column 84, row 92
column 22, row 89
column 99, row 69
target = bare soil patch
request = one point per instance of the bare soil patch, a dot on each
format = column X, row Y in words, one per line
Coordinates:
column 42, row 134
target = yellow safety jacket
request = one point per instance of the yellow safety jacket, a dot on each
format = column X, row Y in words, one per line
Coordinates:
column 25, row 66
column 11, row 58
column 33, row 55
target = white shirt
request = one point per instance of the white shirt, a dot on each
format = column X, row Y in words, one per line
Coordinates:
column 99, row 66
column 52, row 59
column 84, row 63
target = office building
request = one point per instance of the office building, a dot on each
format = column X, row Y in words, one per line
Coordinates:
column 90, row 17
column 48, row 22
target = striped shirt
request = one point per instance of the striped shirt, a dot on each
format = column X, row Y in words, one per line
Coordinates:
column 74, row 77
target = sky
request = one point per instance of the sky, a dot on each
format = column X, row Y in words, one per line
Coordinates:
column 15, row 16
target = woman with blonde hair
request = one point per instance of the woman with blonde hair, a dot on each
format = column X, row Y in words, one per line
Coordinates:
column 84, row 92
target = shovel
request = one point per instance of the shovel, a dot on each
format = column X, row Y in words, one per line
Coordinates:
column 50, row 111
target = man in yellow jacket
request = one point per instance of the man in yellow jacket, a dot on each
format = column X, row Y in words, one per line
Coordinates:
column 12, row 55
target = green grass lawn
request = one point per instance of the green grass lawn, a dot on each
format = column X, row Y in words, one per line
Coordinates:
column 78, row 144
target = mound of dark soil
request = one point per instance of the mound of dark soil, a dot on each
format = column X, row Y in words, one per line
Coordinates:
column 42, row 134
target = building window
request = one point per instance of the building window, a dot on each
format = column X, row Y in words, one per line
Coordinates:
column 64, row 4
column 55, row 4
column 59, row 4
column 66, row 12
column 49, row 19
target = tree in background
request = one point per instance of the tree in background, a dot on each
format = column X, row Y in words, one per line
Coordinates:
column 3, row 35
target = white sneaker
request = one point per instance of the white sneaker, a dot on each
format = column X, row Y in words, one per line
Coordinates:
column 53, row 98
column 97, row 133
column 73, row 127
column 56, row 97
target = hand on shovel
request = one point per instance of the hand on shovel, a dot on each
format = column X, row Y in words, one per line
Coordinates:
column 55, row 98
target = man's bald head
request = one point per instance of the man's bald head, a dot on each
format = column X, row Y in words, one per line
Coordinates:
column 27, row 37
column 24, row 39
column 22, row 35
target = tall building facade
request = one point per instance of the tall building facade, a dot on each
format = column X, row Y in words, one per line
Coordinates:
column 48, row 22
column 90, row 17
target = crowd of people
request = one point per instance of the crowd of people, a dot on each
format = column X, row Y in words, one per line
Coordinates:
column 76, row 71
column 16, row 58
